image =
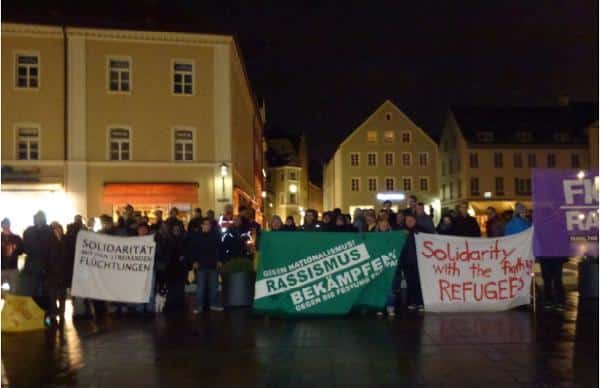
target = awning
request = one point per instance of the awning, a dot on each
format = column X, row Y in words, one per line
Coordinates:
column 150, row 193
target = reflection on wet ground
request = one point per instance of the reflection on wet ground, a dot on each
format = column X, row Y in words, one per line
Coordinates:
column 234, row 349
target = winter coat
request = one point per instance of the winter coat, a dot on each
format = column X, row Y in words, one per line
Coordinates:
column 201, row 248
column 516, row 225
column 41, row 246
column 494, row 227
column 425, row 223
column 465, row 226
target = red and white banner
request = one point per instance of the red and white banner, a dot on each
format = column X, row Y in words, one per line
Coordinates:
column 475, row 274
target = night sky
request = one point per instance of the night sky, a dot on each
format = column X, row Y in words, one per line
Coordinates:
column 323, row 67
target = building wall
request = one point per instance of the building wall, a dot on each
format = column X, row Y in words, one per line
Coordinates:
column 315, row 197
column 280, row 186
column 593, row 145
column 386, row 118
column 44, row 106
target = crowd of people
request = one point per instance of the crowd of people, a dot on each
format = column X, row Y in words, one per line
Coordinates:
column 208, row 242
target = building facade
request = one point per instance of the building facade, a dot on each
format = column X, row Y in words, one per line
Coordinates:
column 101, row 118
column 487, row 155
column 386, row 154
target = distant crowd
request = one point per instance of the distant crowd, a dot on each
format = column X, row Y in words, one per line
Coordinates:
column 207, row 242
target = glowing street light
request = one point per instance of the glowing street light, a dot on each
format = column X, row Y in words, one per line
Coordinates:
column 224, row 170
column 581, row 174
column 293, row 188
column 390, row 196
column 264, row 194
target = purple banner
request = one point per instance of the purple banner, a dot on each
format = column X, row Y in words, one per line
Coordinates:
column 565, row 212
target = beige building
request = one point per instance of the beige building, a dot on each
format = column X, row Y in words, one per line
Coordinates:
column 98, row 118
column 487, row 155
column 388, row 154
column 289, row 191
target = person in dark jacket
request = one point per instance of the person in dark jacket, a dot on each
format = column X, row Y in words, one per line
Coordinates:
column 232, row 241
column 290, row 224
column 387, row 205
column 42, row 247
column 56, row 277
column 196, row 220
column 70, row 243
column 158, row 215
column 445, row 225
column 311, row 224
column 424, row 220
column 202, row 253
column 494, row 226
column 465, row 225
column 342, row 224
column 412, row 206
column 176, row 270
column 12, row 247
column 554, row 290
column 408, row 260
column 370, row 221
column 328, row 222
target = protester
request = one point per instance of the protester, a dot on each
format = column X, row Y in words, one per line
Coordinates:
column 231, row 241
column 202, row 254
column 445, row 226
column 342, row 224
column 276, row 224
column 158, row 215
column 412, row 206
column 328, row 223
column 383, row 225
column 210, row 214
column 290, row 224
column 42, row 247
column 387, row 205
column 176, row 269
column 463, row 224
column 399, row 221
column 371, row 221
column 358, row 220
column 12, row 248
column 519, row 222
column 554, row 290
column 424, row 221
column 408, row 260
column 130, row 221
column 56, row 281
column 196, row 219
column 494, row 225
column 226, row 220
column 310, row 221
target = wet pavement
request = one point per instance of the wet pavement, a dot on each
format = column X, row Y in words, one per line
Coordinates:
column 235, row 349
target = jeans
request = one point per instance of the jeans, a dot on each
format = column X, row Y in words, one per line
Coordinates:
column 56, row 303
column 554, row 291
column 207, row 278
column 413, row 284
column 396, row 284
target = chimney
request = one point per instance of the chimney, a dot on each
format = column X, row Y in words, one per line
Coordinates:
column 563, row 101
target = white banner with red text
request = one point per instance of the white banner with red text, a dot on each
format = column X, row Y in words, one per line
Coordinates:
column 475, row 274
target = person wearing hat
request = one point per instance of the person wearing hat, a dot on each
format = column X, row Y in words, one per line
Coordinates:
column 12, row 247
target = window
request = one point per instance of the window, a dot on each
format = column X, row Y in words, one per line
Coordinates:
column 28, row 143
column 406, row 159
column 388, row 116
column 423, row 159
column 183, row 77
column 451, row 167
column 523, row 186
column 424, row 183
column 293, row 199
column 474, row 186
column 354, row 159
column 282, row 176
column 120, row 146
column 372, row 184
column 27, row 72
column 575, row 161
column 406, row 137
column 184, row 145
column 451, row 190
column 119, row 75
column 518, row 160
column 372, row 159
column 443, row 168
column 372, row 136
column 531, row 161
column 498, row 160
column 355, row 184
column 389, row 159
column 474, row 160
column 293, row 176
column 390, row 183
column 499, row 185
column 443, row 192
column 407, row 183
column 551, row 160
column 388, row 137
column 524, row 136
column 485, row 136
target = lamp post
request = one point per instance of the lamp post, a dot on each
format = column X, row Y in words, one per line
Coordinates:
column 224, row 172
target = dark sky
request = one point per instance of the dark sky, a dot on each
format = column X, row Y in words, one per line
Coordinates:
column 323, row 67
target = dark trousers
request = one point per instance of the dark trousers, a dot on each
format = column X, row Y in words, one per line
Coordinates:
column 554, row 291
column 207, row 280
column 56, row 303
column 413, row 284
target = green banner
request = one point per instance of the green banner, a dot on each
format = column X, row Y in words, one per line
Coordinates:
column 319, row 273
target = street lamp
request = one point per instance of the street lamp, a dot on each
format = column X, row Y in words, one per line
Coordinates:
column 224, row 171
column 293, row 188
column 264, row 194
